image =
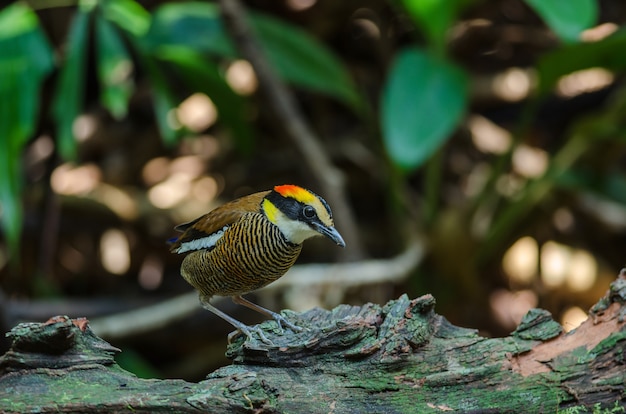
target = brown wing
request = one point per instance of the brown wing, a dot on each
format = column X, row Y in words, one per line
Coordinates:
column 215, row 221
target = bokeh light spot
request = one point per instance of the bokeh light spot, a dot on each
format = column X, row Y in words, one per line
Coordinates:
column 197, row 112
column 572, row 318
column 115, row 251
column 520, row 261
column 241, row 77
column 151, row 273
column 73, row 180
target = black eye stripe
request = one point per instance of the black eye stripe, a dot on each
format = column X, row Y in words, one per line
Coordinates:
column 295, row 209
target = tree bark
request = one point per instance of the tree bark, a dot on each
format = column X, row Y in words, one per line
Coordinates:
column 398, row 358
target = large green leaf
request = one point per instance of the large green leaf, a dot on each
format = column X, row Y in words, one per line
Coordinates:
column 296, row 56
column 25, row 60
column 567, row 18
column 606, row 53
column 423, row 100
column 68, row 98
column 114, row 68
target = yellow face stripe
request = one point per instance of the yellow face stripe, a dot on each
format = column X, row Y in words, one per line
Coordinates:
column 293, row 191
column 271, row 211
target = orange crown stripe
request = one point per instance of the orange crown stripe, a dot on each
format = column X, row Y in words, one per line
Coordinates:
column 293, row 191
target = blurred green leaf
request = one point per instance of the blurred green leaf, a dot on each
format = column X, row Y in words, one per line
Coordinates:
column 163, row 105
column 164, row 100
column 606, row 53
column 296, row 56
column 25, row 60
column 68, row 97
column 17, row 19
column 194, row 25
column 302, row 60
column 202, row 75
column 611, row 186
column 423, row 100
column 114, row 67
column 434, row 17
column 128, row 15
column 567, row 18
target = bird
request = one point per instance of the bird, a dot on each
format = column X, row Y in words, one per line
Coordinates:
column 248, row 243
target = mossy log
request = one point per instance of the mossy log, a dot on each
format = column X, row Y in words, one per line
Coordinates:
column 397, row 358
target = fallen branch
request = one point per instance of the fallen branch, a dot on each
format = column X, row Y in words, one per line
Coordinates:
column 401, row 357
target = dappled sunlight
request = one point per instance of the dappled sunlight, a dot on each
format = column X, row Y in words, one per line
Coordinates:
column 530, row 162
column 514, row 84
column 300, row 5
column 170, row 192
column 151, row 273
column 191, row 165
column 368, row 26
column 572, row 318
column 241, row 77
column 182, row 179
column 204, row 146
column 86, row 180
column 584, row 81
column 115, row 251
column 558, row 265
column 204, row 189
column 598, row 32
column 84, row 127
column 562, row 265
column 40, row 149
column 510, row 307
column 197, row 112
column 69, row 179
column 554, row 263
column 118, row 200
column 582, row 272
column 487, row 136
column 563, row 220
column 155, row 170
column 520, row 261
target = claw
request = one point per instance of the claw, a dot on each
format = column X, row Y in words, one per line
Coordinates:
column 281, row 320
column 247, row 331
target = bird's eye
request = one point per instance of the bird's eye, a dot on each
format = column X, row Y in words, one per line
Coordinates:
column 309, row 212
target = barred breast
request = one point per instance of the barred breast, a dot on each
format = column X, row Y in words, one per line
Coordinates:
column 251, row 254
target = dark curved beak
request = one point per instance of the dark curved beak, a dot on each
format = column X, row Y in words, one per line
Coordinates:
column 329, row 232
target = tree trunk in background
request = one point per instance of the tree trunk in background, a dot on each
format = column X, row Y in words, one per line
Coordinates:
column 397, row 358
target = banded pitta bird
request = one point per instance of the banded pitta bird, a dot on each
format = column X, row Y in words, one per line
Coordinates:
column 250, row 242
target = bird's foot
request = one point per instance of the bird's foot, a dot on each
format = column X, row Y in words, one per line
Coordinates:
column 247, row 331
column 282, row 321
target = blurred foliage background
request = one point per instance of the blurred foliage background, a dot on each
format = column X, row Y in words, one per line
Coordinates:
column 492, row 132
